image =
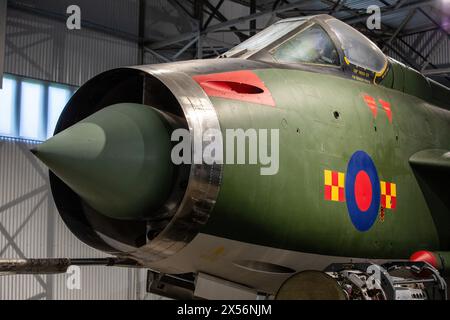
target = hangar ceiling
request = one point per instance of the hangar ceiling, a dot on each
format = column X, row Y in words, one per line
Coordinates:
column 415, row 32
column 401, row 20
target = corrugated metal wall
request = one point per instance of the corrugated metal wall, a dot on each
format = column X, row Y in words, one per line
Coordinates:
column 114, row 14
column 2, row 37
column 43, row 48
column 431, row 44
column 31, row 227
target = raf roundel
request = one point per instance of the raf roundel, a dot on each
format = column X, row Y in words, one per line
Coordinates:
column 362, row 191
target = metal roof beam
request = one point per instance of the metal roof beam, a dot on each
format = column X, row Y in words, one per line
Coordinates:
column 213, row 13
column 177, row 4
column 339, row 6
column 387, row 11
column 436, row 45
column 401, row 26
column 435, row 72
column 219, row 16
column 158, row 55
column 180, row 52
column 399, row 3
column 438, row 25
column 229, row 23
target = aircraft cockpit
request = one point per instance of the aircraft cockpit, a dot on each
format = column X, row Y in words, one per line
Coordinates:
column 316, row 42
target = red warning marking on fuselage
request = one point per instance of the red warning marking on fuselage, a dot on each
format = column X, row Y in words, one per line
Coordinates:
column 241, row 85
column 371, row 103
column 387, row 108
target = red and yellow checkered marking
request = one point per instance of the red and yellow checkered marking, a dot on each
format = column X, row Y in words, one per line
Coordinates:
column 334, row 185
column 388, row 195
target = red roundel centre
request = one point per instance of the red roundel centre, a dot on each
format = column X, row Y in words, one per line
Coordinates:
column 363, row 190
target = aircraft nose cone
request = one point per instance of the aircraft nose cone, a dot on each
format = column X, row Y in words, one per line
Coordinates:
column 117, row 160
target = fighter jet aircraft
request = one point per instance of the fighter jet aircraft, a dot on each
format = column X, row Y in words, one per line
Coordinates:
column 357, row 208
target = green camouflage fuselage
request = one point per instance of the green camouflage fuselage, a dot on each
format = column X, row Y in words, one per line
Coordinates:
column 323, row 119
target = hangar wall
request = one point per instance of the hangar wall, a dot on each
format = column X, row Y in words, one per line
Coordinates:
column 31, row 227
column 42, row 48
column 2, row 37
column 434, row 46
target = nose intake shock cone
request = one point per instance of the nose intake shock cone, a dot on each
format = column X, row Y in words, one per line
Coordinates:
column 117, row 160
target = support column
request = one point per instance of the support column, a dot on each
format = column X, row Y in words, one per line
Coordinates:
column 198, row 14
column 252, row 22
column 2, row 38
column 141, row 32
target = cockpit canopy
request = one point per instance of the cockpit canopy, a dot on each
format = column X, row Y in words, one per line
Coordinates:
column 358, row 49
column 316, row 40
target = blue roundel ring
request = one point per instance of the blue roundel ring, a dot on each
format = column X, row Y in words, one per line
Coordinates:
column 362, row 220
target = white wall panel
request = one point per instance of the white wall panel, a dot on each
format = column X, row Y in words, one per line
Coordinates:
column 30, row 227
